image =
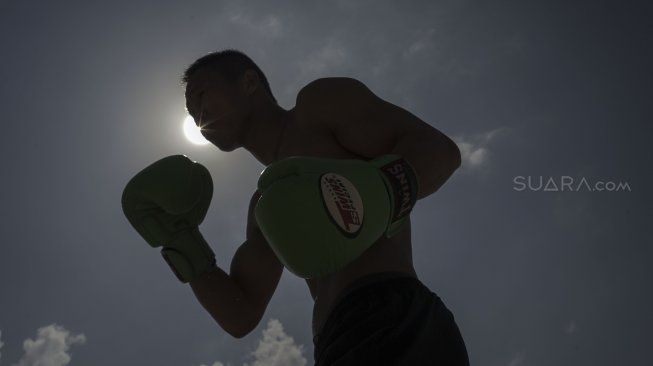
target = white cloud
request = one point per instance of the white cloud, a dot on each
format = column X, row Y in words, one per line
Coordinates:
column 275, row 349
column 1, row 344
column 50, row 348
column 475, row 150
column 472, row 155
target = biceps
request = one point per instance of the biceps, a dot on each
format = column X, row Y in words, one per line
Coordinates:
column 257, row 271
column 255, row 266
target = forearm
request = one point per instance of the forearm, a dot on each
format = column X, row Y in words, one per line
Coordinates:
column 434, row 158
column 221, row 296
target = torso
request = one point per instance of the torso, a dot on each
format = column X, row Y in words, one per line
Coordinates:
column 385, row 255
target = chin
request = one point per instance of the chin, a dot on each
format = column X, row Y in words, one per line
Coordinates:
column 222, row 141
column 227, row 149
column 224, row 147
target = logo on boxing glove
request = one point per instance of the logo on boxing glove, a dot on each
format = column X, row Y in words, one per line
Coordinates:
column 343, row 203
column 403, row 181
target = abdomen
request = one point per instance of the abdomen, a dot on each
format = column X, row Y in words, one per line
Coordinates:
column 385, row 255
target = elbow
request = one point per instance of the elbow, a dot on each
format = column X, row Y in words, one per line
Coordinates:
column 239, row 335
column 457, row 156
column 453, row 161
column 451, row 150
column 239, row 331
column 448, row 158
column 244, row 325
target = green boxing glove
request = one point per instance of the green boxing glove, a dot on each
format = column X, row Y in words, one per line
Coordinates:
column 320, row 214
column 165, row 203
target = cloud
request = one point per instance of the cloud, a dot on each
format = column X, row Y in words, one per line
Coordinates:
column 475, row 150
column 472, row 155
column 423, row 41
column 50, row 348
column 331, row 55
column 571, row 328
column 275, row 349
column 267, row 26
column 327, row 59
column 517, row 360
column 1, row 344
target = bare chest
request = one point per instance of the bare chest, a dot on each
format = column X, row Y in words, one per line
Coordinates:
column 309, row 140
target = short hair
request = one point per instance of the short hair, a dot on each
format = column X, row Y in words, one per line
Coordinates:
column 231, row 64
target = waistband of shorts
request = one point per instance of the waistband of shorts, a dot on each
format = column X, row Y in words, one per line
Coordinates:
column 368, row 280
column 362, row 282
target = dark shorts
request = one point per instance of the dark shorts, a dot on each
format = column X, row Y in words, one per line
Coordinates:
column 390, row 319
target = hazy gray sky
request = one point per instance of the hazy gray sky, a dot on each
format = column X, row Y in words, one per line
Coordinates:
column 530, row 90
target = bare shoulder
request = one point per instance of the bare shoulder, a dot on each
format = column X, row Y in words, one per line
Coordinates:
column 333, row 89
column 336, row 100
column 333, row 82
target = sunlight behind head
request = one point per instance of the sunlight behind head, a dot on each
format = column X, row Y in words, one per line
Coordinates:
column 192, row 132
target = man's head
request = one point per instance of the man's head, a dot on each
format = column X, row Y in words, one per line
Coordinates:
column 230, row 64
column 222, row 89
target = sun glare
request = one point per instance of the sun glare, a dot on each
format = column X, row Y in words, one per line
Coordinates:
column 192, row 132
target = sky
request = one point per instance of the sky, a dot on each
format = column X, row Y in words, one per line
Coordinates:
column 540, row 244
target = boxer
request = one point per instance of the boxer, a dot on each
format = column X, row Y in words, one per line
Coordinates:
column 344, row 169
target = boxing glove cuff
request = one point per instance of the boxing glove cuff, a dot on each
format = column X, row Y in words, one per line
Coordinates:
column 401, row 182
column 189, row 255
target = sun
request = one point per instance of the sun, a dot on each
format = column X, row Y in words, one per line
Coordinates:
column 192, row 132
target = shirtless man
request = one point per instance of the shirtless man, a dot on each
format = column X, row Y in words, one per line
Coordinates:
column 335, row 118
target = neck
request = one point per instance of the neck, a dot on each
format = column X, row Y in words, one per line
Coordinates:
column 264, row 134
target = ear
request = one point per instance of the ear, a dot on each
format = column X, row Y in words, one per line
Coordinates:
column 250, row 81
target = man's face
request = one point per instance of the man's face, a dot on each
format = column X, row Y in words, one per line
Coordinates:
column 216, row 107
